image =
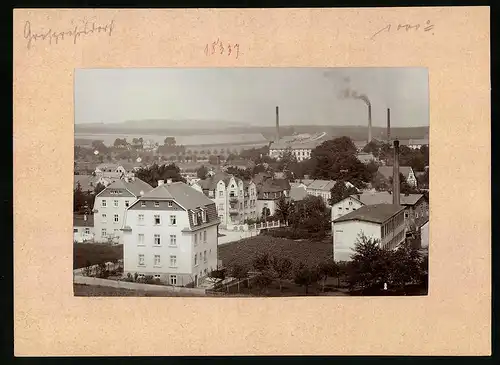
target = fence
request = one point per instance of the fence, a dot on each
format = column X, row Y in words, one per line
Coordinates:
column 85, row 280
column 94, row 269
column 257, row 226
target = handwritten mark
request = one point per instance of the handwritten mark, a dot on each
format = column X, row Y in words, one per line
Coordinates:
column 407, row 27
column 83, row 28
column 217, row 47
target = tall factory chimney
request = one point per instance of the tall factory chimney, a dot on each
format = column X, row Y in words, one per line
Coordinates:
column 369, row 122
column 277, row 124
column 388, row 124
column 395, row 175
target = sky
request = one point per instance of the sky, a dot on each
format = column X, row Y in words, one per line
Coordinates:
column 248, row 96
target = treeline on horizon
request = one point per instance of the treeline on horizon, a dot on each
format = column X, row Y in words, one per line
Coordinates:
column 354, row 132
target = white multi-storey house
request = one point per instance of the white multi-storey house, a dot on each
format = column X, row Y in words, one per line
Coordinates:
column 171, row 234
column 110, row 206
column 382, row 222
column 235, row 199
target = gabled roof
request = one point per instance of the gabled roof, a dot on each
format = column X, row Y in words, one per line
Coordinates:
column 79, row 221
column 181, row 193
column 273, row 186
column 135, row 186
column 210, row 183
column 384, row 197
column 321, row 185
column 386, row 171
column 378, row 213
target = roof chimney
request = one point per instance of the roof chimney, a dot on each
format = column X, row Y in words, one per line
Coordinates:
column 161, row 182
column 395, row 174
column 369, row 123
column 388, row 124
column 277, row 124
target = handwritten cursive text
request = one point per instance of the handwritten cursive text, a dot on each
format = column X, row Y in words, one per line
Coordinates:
column 407, row 27
column 217, row 47
column 82, row 28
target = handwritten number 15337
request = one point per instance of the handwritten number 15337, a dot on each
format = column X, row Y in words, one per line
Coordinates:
column 221, row 48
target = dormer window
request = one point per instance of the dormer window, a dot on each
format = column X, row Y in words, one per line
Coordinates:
column 170, row 204
column 157, row 204
column 143, row 204
column 195, row 218
column 203, row 215
column 266, row 195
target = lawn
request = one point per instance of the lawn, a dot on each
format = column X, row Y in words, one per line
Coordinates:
column 95, row 254
column 242, row 252
column 81, row 290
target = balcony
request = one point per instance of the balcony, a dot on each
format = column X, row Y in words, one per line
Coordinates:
column 233, row 199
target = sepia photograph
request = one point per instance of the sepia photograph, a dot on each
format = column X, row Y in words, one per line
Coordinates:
column 251, row 182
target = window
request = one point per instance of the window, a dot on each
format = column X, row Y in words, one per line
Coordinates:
column 127, row 203
column 210, row 193
column 195, row 259
column 195, row 219
column 157, row 276
column 140, row 219
column 116, row 218
column 266, row 195
column 350, row 203
column 87, row 230
column 204, row 236
column 140, row 239
column 203, row 216
column 103, row 203
column 157, row 219
column 141, row 260
column 195, row 239
column 205, row 256
column 416, row 214
column 173, row 279
column 406, row 214
column 157, row 260
column 173, row 220
column 103, row 218
column 221, row 193
column 143, row 204
column 170, row 204
column 157, row 204
column 221, row 206
column 173, row 240
column 75, row 230
column 157, row 240
column 173, row 261
column 103, row 232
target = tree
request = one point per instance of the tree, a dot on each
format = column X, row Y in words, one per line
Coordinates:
column 263, row 281
column 170, row 141
column 287, row 158
column 98, row 188
column 370, row 266
column 406, row 266
column 202, row 172
column 380, row 183
column 266, row 213
column 284, row 209
column 213, row 160
column 261, row 262
column 423, row 180
column 327, row 268
column 78, row 198
column 156, row 172
column 231, row 157
column 281, row 269
column 305, row 276
column 340, row 191
column 244, row 174
column 336, row 160
column 239, row 272
column 99, row 146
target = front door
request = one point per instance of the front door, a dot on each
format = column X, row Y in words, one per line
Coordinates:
column 196, row 280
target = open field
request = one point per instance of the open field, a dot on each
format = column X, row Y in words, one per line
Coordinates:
column 95, row 254
column 101, row 291
column 242, row 252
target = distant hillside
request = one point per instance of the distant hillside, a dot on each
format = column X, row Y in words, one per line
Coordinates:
column 196, row 127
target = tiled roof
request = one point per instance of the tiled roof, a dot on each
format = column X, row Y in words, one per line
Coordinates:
column 180, row 192
column 297, row 193
column 387, row 171
column 378, row 213
column 321, row 185
column 107, row 166
column 135, row 186
column 79, row 221
column 210, row 183
column 384, row 197
column 273, row 186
